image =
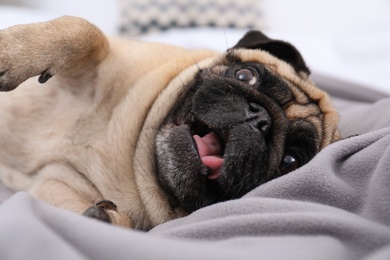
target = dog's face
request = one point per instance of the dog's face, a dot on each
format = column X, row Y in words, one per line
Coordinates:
column 241, row 123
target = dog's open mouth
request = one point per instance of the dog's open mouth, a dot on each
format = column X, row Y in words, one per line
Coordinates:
column 211, row 147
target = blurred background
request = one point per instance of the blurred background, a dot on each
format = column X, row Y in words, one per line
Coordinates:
column 298, row 15
column 343, row 39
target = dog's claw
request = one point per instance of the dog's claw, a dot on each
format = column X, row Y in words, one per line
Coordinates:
column 98, row 211
column 45, row 76
column 2, row 72
column 3, row 85
column 106, row 204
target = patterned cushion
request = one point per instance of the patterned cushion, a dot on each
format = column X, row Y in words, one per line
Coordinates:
column 142, row 16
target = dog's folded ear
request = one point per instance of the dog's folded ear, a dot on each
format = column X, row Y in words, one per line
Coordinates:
column 280, row 49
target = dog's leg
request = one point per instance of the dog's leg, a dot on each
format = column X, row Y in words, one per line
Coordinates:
column 61, row 46
column 63, row 187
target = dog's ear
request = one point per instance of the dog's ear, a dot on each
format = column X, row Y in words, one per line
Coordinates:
column 280, row 49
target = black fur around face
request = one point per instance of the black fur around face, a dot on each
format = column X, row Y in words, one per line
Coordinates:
column 242, row 105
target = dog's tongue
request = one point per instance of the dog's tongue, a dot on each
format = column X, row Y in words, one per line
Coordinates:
column 209, row 152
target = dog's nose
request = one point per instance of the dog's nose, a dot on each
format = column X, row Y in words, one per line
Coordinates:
column 258, row 117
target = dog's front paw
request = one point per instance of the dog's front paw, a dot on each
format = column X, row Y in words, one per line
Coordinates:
column 99, row 211
column 21, row 58
column 3, row 86
column 6, row 81
column 60, row 46
column 107, row 211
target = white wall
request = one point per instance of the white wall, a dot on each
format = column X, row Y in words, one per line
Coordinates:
column 348, row 39
column 326, row 16
column 281, row 15
column 103, row 13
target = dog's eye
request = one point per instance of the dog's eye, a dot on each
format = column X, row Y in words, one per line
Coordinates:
column 246, row 75
column 290, row 162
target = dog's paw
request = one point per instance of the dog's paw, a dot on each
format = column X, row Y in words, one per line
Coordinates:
column 14, row 70
column 3, row 86
column 6, row 83
column 25, row 52
column 9, row 62
column 18, row 62
column 107, row 211
column 100, row 211
column 61, row 45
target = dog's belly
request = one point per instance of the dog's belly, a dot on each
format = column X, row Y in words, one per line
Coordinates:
column 34, row 127
column 46, row 125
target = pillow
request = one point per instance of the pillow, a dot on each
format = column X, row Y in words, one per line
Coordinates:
column 143, row 16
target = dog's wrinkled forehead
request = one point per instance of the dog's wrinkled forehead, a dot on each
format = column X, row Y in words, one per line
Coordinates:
column 310, row 103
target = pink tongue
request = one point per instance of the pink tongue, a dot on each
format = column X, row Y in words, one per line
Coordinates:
column 209, row 153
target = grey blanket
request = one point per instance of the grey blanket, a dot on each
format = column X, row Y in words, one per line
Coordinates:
column 335, row 207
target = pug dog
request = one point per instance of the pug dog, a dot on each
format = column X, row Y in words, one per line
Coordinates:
column 138, row 133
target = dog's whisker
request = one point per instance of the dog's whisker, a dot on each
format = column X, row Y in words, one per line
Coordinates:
column 239, row 186
column 225, row 34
